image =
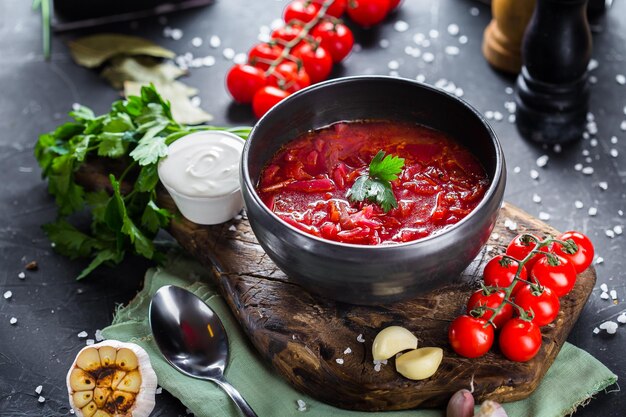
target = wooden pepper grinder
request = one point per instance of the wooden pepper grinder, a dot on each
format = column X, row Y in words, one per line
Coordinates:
column 502, row 40
column 552, row 89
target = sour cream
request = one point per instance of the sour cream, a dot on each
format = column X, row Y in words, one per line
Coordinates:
column 201, row 173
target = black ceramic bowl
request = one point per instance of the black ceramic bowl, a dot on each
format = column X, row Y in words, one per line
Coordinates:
column 372, row 274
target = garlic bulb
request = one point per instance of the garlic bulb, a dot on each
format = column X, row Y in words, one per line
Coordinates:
column 112, row 379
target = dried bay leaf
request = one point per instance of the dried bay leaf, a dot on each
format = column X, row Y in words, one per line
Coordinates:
column 92, row 51
column 144, row 70
column 178, row 95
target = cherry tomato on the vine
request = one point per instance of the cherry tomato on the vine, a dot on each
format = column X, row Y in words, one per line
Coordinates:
column 543, row 303
column 368, row 12
column 317, row 61
column 500, row 271
column 287, row 33
column 556, row 273
column 337, row 8
column 583, row 257
column 470, row 336
column 262, row 54
column 520, row 340
column 243, row 81
column 492, row 300
column 521, row 246
column 289, row 76
column 301, row 10
column 266, row 98
column 336, row 38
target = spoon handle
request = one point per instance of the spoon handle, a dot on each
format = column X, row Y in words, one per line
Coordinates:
column 237, row 398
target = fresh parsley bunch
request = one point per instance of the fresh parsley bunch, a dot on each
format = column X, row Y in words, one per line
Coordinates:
column 136, row 132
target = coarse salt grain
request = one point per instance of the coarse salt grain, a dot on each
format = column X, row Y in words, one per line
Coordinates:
column 622, row 318
column 360, row 339
column 383, row 43
column 497, row 116
column 89, row 342
column 534, row 174
column 557, row 148
column 536, row 198
column 587, row 170
column 613, row 140
column 621, row 79
column 228, row 53
column 614, row 152
column 428, row 57
column 301, row 405
column 603, row 185
column 38, row 389
column 610, row 233
column 578, row 204
column 393, row 65
column 82, row 334
column 7, row 295
column 240, row 58
column 433, row 33
column 13, row 320
column 453, row 29
column 98, row 335
column 609, row 326
column 542, row 161
column 452, row 50
column 622, row 126
column 463, row 39
column 517, row 170
column 604, row 287
column 578, row 167
column 544, row 216
column 596, row 330
column 599, row 260
column 21, row 275
column 613, row 294
column 176, row 34
column 593, row 142
column 509, row 224
column 604, row 295
column 618, row 230
column 347, row 351
column 592, row 211
column 41, row 399
column 197, row 42
column 159, row 390
column 474, row 11
column 401, row 26
column 339, row 361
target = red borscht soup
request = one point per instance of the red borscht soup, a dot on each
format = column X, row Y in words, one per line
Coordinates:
column 306, row 182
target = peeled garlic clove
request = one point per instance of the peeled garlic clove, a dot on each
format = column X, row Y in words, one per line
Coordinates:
column 392, row 340
column 112, row 379
column 419, row 363
column 88, row 360
column 461, row 404
column 491, row 409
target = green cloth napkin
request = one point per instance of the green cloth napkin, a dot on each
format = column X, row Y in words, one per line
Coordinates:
column 560, row 392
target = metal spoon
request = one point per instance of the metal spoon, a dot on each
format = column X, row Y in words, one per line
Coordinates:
column 192, row 338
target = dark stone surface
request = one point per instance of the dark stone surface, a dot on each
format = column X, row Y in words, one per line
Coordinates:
column 37, row 94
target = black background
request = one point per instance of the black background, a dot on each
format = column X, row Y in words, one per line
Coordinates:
column 35, row 96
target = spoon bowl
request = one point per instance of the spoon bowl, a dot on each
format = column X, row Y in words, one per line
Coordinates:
column 192, row 338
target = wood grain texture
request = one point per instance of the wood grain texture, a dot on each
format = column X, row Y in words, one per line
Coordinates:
column 302, row 336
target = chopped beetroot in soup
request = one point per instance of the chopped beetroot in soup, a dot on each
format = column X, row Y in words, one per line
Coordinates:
column 306, row 182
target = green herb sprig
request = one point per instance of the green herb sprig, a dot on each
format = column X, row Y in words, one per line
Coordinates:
column 137, row 132
column 376, row 186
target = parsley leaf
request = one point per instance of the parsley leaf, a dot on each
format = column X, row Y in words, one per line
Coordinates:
column 376, row 186
column 134, row 135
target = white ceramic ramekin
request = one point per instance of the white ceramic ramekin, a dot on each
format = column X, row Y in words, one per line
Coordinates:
column 207, row 210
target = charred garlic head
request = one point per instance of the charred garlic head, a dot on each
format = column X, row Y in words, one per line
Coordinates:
column 112, row 378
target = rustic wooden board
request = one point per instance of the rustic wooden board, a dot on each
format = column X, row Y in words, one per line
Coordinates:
column 302, row 336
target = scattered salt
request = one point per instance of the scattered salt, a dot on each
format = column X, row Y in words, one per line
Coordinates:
column 420, row 78
column 621, row 79
column 228, row 53
column 544, row 216
column 89, row 342
column 453, row 29
column 215, row 41
column 509, row 224
column 603, row 185
column 72, row 411
column 301, row 405
column 195, row 101
column 7, row 295
column 474, row 11
column 339, row 361
column 592, row 211
column 613, row 140
column 578, row 204
column 383, row 43
column 609, row 326
column 393, row 65
column 613, row 152
column 452, row 50
column 536, row 198
column 41, row 399
column 622, row 318
column 176, row 34
column 599, row 260
column 197, row 42
column 82, row 334
column 618, row 230
column 517, row 170
column 587, row 170
column 593, row 64
column 622, row 126
column 159, row 390
column 509, row 90
column 98, row 335
column 208, row 61
column 610, row 233
column 604, row 295
column 428, row 57
column 578, row 167
column 276, row 23
column 232, row 228
column 347, row 351
column 21, row 275
column 613, row 294
column 240, row 58
column 401, row 26
column 13, row 320
column 495, row 236
column 489, row 114
column 557, row 148
column 593, row 142
column 534, row 174
column 38, row 389
column 510, row 106
column 433, row 33
column 463, row 39
column 377, row 367
column 596, row 331
column 542, row 161
column 604, row 287
column 360, row 339
column 497, row 116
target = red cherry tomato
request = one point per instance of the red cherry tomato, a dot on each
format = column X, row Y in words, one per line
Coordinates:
column 368, row 12
column 266, row 98
column 394, row 4
column 580, row 259
column 470, row 336
column 521, row 246
column 493, row 300
column 243, row 81
column 287, row 33
column 262, row 54
column 543, row 303
column 301, row 10
column 556, row 273
column 337, row 8
column 520, row 340
column 336, row 38
column 500, row 271
column 287, row 76
column 317, row 61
